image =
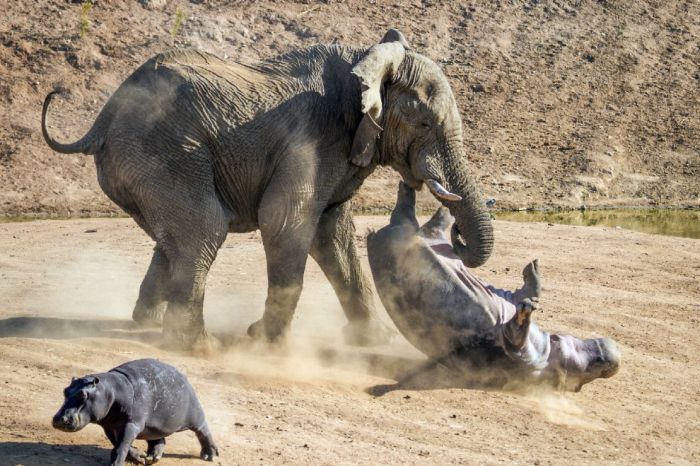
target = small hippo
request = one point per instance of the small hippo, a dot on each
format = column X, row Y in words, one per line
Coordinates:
column 143, row 399
column 463, row 323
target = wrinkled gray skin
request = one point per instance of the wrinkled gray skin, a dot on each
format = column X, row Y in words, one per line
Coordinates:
column 458, row 320
column 143, row 399
column 193, row 147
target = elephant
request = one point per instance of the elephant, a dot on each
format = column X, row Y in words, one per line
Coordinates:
column 193, row 147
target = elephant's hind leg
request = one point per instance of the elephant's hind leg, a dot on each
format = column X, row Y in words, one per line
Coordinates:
column 153, row 293
column 190, row 258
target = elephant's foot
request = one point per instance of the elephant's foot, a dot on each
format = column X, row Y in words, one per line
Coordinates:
column 200, row 344
column 178, row 335
column 370, row 332
column 149, row 316
column 273, row 332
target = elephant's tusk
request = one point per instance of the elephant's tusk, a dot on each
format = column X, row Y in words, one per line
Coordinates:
column 440, row 192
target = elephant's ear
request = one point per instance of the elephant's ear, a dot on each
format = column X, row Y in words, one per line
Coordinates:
column 379, row 65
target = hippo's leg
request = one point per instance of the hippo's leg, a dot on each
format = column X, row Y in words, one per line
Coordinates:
column 531, row 287
column 123, row 443
column 516, row 329
column 155, row 450
column 405, row 209
column 136, row 456
column 153, row 293
column 438, row 224
column 209, row 450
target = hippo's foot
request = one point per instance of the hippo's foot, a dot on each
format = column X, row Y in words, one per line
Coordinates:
column 524, row 309
column 136, row 456
column 516, row 330
column 149, row 316
column 155, row 450
column 531, row 278
column 369, row 332
column 209, row 452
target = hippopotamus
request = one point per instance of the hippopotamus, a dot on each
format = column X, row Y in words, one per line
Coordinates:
column 463, row 323
column 143, row 399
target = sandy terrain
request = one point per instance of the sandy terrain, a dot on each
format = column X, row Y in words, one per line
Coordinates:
column 68, row 288
column 564, row 103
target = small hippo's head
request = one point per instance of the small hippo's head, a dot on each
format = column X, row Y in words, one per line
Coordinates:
column 575, row 362
column 85, row 402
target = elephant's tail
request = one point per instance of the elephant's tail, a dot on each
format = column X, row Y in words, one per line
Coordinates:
column 87, row 144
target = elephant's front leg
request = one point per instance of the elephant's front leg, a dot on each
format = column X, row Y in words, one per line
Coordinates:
column 286, row 256
column 335, row 252
column 288, row 220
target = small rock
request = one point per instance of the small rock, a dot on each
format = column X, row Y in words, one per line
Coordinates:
column 153, row 4
column 478, row 87
column 92, row 230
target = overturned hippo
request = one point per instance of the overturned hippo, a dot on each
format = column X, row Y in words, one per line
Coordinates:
column 143, row 399
column 463, row 323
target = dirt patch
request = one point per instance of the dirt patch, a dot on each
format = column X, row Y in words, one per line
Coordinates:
column 563, row 103
column 68, row 288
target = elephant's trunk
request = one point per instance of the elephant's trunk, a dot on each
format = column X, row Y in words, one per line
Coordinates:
column 472, row 232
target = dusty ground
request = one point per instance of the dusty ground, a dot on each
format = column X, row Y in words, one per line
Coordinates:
column 564, row 103
column 67, row 289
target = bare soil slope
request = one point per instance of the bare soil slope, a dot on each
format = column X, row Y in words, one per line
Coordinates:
column 564, row 103
column 68, row 288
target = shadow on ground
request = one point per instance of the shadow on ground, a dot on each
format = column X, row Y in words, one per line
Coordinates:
column 44, row 454
column 409, row 373
column 60, row 329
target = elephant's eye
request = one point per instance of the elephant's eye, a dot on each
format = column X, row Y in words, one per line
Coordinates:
column 426, row 125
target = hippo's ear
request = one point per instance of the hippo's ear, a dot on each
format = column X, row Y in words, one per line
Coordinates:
column 73, row 379
column 95, row 381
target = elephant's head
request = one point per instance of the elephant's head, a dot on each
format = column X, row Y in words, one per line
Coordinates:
column 410, row 119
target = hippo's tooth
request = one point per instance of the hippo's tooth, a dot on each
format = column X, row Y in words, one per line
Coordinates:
column 440, row 192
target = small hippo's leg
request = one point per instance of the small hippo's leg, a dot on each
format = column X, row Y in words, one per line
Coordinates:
column 531, row 287
column 516, row 329
column 136, row 456
column 155, row 450
column 209, row 450
column 123, row 444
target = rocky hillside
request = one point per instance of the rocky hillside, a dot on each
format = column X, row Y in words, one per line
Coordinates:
column 564, row 103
